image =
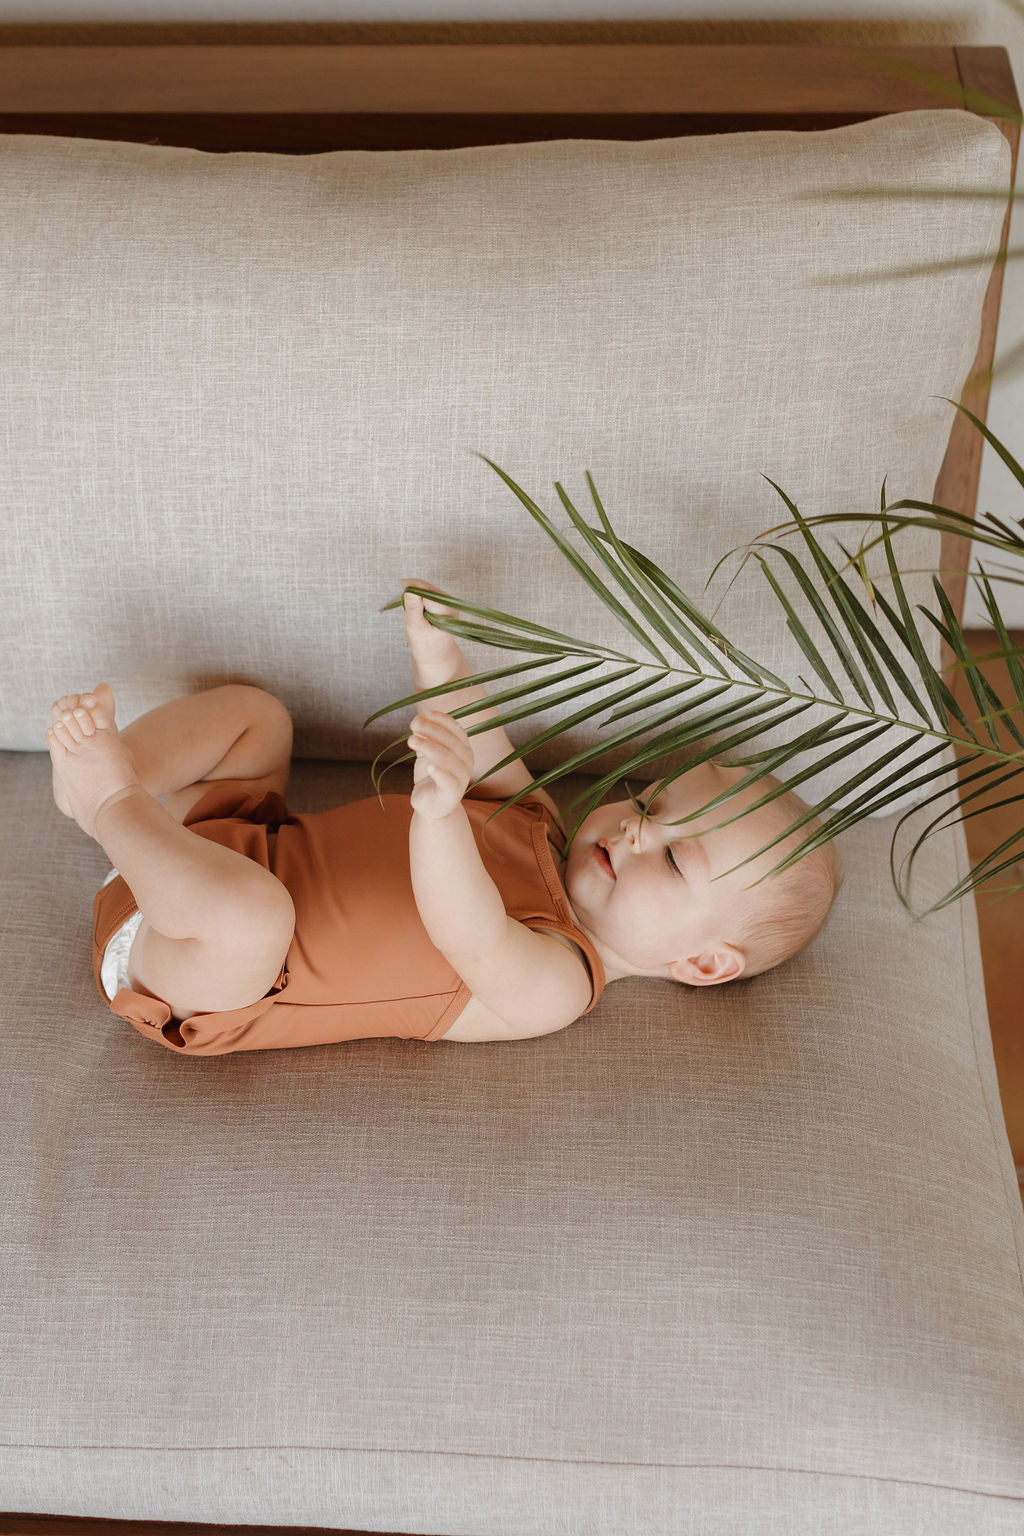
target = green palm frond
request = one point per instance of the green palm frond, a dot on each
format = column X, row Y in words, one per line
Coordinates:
column 680, row 694
column 987, row 530
column 920, row 268
column 973, row 101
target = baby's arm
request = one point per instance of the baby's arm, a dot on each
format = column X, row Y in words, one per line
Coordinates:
column 460, row 905
column 529, row 980
column 437, row 658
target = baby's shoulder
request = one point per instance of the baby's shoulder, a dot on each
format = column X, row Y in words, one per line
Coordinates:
column 565, row 998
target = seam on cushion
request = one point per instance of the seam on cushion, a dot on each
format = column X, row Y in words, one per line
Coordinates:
column 559, row 1461
column 973, row 1014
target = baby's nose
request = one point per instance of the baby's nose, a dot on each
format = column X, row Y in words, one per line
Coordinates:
column 630, row 826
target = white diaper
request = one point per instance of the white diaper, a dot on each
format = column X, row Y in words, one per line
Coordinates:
column 114, row 968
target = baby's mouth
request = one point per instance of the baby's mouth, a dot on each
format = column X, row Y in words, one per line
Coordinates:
column 604, row 859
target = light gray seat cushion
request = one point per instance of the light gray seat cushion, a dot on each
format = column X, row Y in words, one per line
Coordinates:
column 722, row 1259
column 709, row 1261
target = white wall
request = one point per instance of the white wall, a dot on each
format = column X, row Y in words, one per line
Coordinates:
column 933, row 22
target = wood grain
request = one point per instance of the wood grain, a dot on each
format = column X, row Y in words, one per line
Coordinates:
column 1000, row 917
column 83, row 1525
column 294, row 98
column 985, row 71
column 482, row 78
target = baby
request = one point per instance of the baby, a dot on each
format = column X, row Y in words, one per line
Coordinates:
column 234, row 942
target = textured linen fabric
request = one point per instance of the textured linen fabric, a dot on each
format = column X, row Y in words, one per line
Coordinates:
column 729, row 1259
column 360, row 965
column 245, row 394
column 718, row 1260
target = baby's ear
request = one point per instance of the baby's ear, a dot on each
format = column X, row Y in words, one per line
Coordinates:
column 722, row 962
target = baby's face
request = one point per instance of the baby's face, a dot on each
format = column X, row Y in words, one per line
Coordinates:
column 649, row 899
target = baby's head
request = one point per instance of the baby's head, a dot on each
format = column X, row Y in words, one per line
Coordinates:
column 647, row 917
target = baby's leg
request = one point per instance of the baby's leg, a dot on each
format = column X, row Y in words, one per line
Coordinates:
column 231, row 732
column 224, row 922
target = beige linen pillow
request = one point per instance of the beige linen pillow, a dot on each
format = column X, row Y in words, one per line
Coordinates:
column 245, row 394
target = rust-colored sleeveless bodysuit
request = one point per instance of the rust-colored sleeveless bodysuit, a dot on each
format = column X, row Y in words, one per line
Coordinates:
column 360, row 964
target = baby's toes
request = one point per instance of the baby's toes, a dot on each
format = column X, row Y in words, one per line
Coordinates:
column 62, row 705
column 84, row 720
column 58, row 736
column 100, row 704
column 72, row 728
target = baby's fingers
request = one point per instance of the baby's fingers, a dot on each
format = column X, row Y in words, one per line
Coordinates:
column 438, row 722
column 440, row 762
column 429, row 603
column 436, row 737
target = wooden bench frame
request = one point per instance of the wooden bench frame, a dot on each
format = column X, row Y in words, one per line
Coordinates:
column 310, row 97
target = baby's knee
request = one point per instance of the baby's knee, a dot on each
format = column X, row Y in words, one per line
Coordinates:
column 262, row 699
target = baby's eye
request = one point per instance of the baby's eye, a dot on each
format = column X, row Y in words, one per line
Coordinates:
column 668, row 851
column 652, row 809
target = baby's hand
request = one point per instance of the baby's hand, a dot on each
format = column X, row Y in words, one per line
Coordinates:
column 444, row 763
column 435, row 653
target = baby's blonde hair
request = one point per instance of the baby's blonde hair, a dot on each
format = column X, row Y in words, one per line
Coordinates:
column 780, row 916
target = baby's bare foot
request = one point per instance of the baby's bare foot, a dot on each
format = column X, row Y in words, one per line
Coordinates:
column 91, row 764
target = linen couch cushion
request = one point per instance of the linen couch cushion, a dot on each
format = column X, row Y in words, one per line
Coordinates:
column 731, row 1260
column 726, row 1260
column 245, row 394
